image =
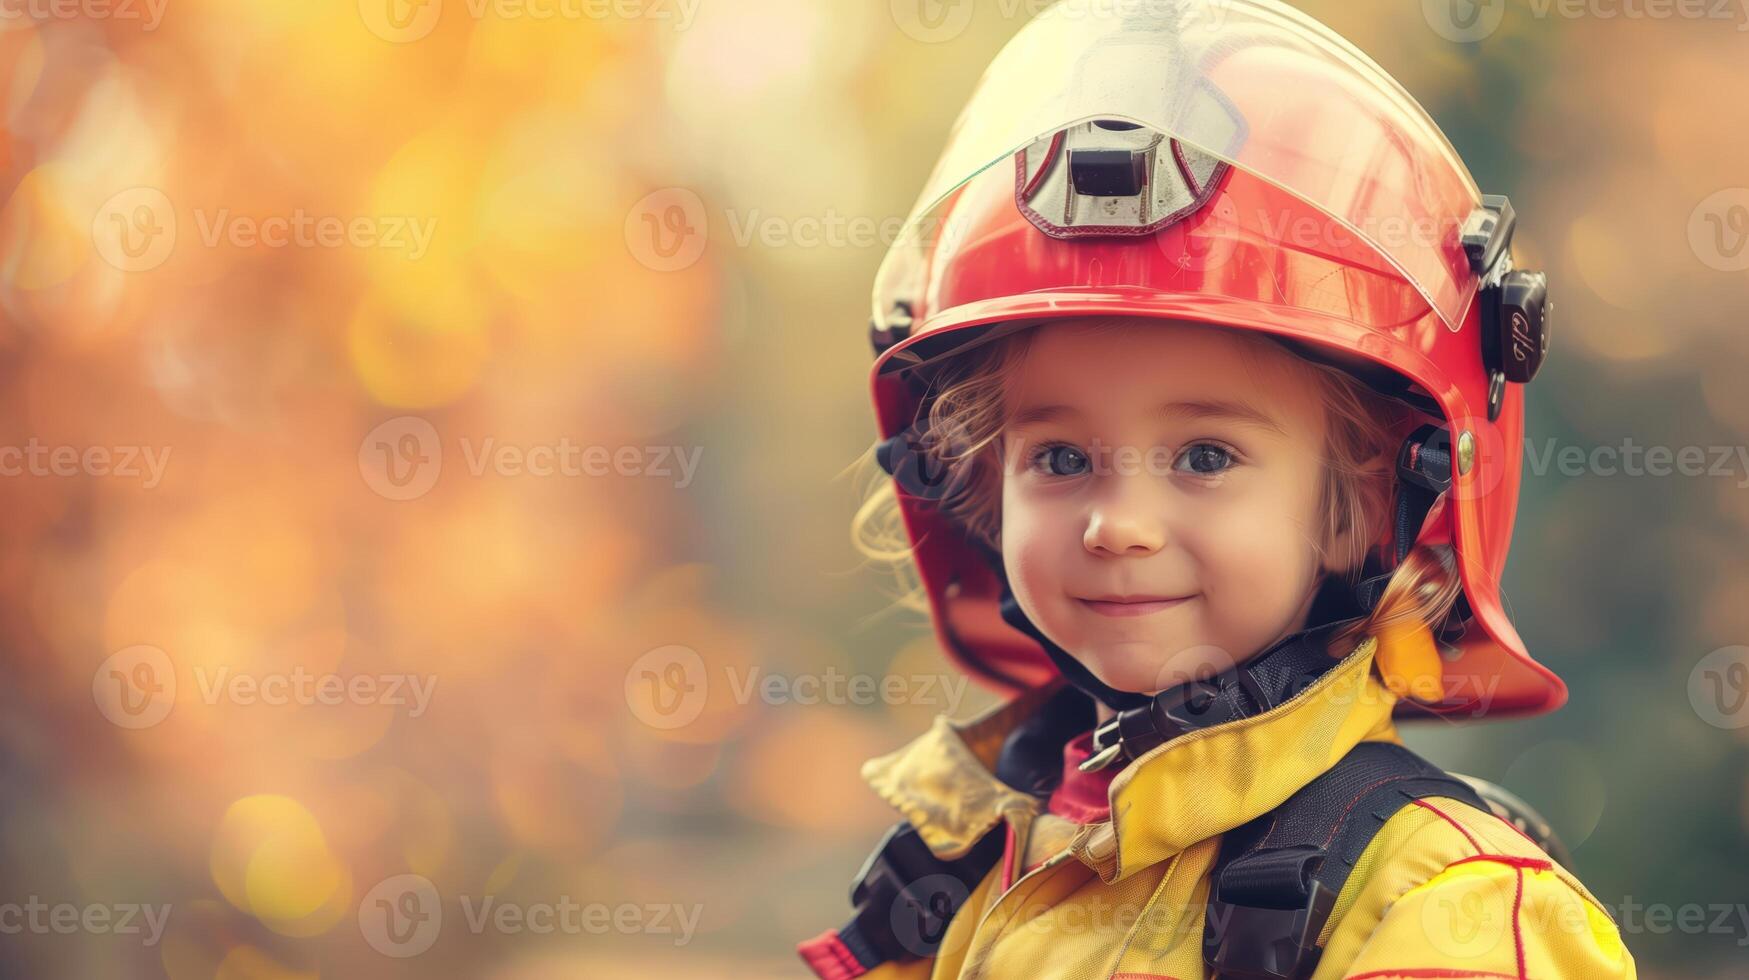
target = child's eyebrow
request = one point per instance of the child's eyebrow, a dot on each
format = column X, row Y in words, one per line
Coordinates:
column 1041, row 413
column 1231, row 411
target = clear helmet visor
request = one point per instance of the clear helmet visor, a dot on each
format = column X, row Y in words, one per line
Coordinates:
column 1253, row 83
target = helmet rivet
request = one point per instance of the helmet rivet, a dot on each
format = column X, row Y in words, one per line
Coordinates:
column 1466, row 452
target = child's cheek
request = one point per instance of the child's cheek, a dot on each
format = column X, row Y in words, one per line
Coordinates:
column 1269, row 567
column 1037, row 544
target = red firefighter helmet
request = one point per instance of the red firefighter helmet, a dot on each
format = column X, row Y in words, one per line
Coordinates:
column 1229, row 162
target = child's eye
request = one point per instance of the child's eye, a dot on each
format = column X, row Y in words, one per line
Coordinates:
column 1059, row 459
column 1204, row 459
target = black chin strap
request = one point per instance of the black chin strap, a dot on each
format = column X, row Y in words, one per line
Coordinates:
column 1423, row 473
column 1265, row 681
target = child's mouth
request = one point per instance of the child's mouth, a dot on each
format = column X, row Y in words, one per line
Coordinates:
column 1140, row 605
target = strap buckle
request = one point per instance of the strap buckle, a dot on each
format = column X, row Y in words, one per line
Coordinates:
column 1262, row 927
column 1425, row 459
column 1171, row 713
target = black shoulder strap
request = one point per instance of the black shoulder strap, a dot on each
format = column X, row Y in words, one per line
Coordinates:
column 1275, row 882
column 905, row 896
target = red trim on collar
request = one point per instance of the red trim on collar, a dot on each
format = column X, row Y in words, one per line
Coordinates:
column 1082, row 796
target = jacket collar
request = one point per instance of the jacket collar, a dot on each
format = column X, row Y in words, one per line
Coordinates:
column 1191, row 788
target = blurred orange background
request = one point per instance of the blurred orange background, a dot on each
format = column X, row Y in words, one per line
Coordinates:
column 396, row 393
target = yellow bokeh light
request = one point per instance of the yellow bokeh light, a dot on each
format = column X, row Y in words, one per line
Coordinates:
column 270, row 859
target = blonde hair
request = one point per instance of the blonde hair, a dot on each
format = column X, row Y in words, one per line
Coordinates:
column 960, row 441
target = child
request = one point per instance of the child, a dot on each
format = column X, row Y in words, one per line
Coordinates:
column 1202, row 407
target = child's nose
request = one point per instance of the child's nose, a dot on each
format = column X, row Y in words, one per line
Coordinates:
column 1128, row 521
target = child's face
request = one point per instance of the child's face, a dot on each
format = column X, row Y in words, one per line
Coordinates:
column 1167, row 462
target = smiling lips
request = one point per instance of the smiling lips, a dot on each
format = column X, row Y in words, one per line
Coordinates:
column 1135, row 605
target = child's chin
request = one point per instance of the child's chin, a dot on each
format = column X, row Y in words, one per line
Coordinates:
column 1139, row 668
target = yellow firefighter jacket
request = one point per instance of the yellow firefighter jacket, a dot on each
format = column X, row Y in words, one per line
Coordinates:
column 1443, row 891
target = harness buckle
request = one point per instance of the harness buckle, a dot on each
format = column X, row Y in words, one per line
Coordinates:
column 1249, row 942
column 1136, row 732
